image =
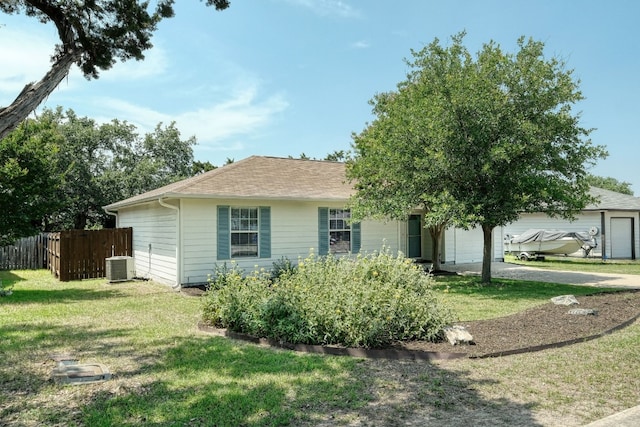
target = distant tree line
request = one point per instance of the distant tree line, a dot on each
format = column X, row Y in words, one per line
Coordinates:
column 58, row 170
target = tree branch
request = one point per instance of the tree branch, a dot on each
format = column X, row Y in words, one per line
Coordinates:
column 34, row 93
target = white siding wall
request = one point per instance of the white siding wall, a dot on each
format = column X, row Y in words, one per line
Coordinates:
column 294, row 233
column 466, row 246
column 376, row 234
column 154, row 241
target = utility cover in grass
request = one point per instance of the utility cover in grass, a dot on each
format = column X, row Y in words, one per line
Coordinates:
column 69, row 372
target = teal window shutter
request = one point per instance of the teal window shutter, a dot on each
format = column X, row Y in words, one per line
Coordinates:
column 355, row 237
column 224, row 233
column 323, row 231
column 265, row 232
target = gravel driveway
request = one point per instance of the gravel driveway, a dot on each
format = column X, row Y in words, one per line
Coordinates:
column 520, row 272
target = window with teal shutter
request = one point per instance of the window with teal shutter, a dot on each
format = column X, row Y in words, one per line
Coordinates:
column 224, row 233
column 336, row 234
column 265, row 232
column 323, row 231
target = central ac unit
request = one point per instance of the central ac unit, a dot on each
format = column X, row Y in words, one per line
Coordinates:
column 120, row 268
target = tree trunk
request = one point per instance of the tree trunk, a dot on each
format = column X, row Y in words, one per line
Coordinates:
column 436, row 233
column 34, row 93
column 487, row 254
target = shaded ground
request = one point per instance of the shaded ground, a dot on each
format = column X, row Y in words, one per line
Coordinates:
column 545, row 325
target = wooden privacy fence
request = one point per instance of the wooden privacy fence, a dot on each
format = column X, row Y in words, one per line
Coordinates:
column 81, row 254
column 29, row 253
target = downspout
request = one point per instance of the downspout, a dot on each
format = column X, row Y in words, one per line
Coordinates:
column 178, row 243
column 603, row 239
column 108, row 212
column 115, row 214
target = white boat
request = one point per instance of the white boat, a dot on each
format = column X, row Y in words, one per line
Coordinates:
column 534, row 243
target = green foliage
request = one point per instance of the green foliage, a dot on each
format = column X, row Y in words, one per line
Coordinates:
column 225, row 275
column 609, row 183
column 94, row 35
column 93, row 165
column 368, row 302
column 475, row 141
column 282, row 267
column 28, row 178
column 101, row 31
column 234, row 301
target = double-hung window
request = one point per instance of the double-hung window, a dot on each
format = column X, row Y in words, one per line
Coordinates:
column 244, row 232
column 339, row 231
column 336, row 233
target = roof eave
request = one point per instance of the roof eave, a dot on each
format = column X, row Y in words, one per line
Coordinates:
column 117, row 206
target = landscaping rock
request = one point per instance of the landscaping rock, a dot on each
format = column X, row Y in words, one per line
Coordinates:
column 565, row 300
column 583, row 311
column 458, row 335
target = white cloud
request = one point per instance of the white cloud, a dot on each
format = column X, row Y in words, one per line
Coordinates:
column 328, row 7
column 25, row 58
column 360, row 44
column 243, row 114
column 155, row 63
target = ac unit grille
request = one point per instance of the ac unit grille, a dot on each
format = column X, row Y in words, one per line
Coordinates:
column 119, row 268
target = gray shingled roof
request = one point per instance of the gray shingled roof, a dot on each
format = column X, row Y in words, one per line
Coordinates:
column 612, row 201
column 258, row 177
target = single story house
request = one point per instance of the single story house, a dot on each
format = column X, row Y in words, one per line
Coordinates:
column 260, row 209
column 613, row 221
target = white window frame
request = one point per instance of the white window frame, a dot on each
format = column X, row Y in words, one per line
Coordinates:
column 339, row 226
column 244, row 224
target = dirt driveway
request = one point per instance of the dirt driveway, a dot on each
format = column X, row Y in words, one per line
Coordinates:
column 520, row 272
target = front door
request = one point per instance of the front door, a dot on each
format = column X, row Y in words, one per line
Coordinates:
column 415, row 237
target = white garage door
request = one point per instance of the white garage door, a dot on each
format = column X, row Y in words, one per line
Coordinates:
column 468, row 245
column 621, row 237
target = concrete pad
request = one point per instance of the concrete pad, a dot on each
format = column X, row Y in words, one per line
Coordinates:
column 520, row 272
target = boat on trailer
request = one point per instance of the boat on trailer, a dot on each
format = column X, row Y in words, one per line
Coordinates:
column 536, row 243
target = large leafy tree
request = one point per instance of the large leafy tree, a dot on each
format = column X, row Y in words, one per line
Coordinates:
column 98, row 164
column 496, row 132
column 392, row 170
column 28, row 179
column 93, row 34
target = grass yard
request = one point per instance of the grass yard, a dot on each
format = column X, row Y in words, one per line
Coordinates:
column 167, row 373
column 473, row 301
column 587, row 265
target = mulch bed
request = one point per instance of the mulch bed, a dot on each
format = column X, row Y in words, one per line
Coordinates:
column 545, row 326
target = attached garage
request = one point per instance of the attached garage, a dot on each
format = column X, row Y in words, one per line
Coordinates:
column 612, row 221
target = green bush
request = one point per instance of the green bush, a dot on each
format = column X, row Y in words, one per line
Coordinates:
column 282, row 267
column 367, row 302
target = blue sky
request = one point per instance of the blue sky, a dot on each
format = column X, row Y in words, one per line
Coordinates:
column 283, row 77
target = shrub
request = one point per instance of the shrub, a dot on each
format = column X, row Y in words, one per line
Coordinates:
column 234, row 301
column 367, row 302
column 282, row 267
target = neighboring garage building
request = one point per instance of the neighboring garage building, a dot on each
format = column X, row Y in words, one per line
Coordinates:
column 613, row 221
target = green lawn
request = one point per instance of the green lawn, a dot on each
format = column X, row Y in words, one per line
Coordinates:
column 591, row 265
column 472, row 300
column 165, row 371
column 168, row 373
